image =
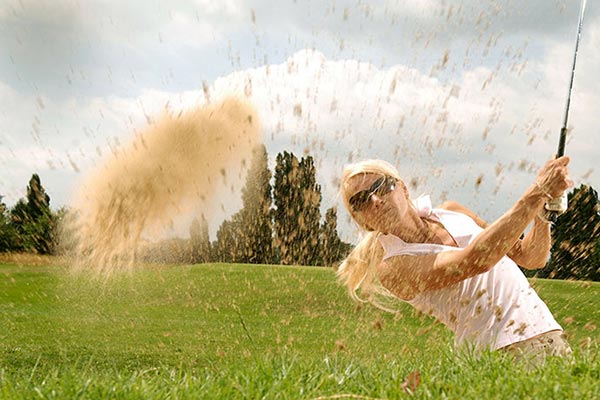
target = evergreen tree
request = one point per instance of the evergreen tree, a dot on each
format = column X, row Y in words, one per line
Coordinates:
column 247, row 237
column 297, row 199
column 256, row 235
column 310, row 214
column 227, row 247
column 7, row 233
column 38, row 202
column 204, row 248
column 575, row 250
column 199, row 241
column 330, row 243
column 19, row 222
column 195, row 233
column 287, row 199
column 222, row 246
column 34, row 223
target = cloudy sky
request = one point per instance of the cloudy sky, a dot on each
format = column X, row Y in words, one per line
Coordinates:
column 467, row 98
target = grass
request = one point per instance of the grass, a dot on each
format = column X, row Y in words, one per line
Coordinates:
column 245, row 331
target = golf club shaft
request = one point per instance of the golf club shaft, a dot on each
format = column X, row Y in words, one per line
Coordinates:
column 563, row 131
column 559, row 204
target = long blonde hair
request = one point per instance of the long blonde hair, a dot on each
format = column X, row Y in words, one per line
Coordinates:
column 358, row 272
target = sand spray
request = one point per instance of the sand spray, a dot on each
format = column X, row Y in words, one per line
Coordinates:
column 177, row 160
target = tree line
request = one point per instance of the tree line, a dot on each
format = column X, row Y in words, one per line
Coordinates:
column 575, row 252
column 280, row 222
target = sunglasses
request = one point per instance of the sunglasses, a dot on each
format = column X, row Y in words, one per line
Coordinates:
column 380, row 187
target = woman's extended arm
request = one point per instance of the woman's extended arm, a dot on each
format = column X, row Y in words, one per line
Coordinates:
column 531, row 252
column 407, row 276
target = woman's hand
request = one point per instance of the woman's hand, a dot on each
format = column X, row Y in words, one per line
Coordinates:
column 553, row 178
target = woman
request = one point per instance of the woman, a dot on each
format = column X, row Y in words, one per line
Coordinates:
column 447, row 262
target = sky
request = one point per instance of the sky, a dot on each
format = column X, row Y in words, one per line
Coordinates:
column 466, row 98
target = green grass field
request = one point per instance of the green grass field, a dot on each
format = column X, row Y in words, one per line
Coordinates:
column 245, row 331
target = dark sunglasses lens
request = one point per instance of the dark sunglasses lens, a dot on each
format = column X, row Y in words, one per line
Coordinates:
column 386, row 187
column 360, row 199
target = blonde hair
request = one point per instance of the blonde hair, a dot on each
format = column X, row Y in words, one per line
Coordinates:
column 358, row 272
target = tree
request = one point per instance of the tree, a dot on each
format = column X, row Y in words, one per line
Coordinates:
column 286, row 199
column 19, row 220
column 38, row 202
column 256, row 235
column 7, row 232
column 248, row 236
column 226, row 247
column 297, row 199
column 34, row 223
column 310, row 214
column 330, row 243
column 199, row 241
column 575, row 250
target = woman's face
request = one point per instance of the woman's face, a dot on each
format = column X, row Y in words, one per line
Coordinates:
column 377, row 202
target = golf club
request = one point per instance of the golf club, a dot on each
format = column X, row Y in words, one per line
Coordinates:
column 559, row 205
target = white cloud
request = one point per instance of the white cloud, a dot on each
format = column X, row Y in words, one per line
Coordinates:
column 183, row 29
column 338, row 111
column 229, row 8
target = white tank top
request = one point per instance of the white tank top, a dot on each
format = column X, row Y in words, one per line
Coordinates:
column 490, row 310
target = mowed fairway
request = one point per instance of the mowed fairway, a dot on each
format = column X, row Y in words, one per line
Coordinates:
column 246, row 331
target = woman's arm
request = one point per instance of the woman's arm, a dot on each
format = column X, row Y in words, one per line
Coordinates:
column 531, row 252
column 407, row 276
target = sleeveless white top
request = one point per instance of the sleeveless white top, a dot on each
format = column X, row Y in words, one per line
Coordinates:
column 487, row 311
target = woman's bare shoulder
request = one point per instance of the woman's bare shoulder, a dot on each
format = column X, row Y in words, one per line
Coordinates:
column 452, row 205
column 455, row 206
